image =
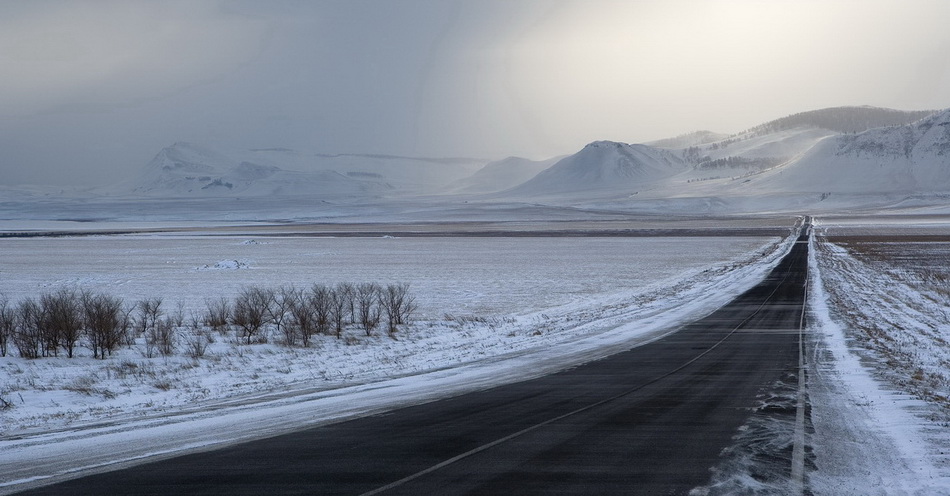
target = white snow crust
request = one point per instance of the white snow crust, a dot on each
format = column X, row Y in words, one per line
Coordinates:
column 871, row 434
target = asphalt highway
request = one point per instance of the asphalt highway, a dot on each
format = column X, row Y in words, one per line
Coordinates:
column 651, row 420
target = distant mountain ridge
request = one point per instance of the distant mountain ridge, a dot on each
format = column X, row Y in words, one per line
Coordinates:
column 694, row 138
column 843, row 119
column 905, row 159
column 186, row 169
column 842, row 150
column 501, row 175
column 846, row 152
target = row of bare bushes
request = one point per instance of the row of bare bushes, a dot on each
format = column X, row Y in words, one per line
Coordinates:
column 56, row 323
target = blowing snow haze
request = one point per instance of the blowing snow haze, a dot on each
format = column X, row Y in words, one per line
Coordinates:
column 93, row 90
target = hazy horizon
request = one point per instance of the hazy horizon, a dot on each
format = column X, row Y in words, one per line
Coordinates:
column 93, row 90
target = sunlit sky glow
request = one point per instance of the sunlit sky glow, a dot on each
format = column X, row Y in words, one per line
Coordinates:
column 92, row 90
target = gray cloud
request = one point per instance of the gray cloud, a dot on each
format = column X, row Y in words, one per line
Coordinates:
column 92, row 90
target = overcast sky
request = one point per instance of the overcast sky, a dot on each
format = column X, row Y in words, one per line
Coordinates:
column 91, row 91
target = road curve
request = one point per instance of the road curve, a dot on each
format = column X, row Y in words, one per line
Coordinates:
column 652, row 420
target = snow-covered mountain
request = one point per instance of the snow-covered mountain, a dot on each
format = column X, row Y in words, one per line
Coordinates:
column 186, row 169
column 420, row 175
column 695, row 138
column 603, row 168
column 906, row 159
column 856, row 150
column 501, row 175
column 840, row 158
column 843, row 119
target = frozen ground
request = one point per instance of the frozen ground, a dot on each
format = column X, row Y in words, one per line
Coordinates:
column 487, row 277
column 519, row 321
column 879, row 358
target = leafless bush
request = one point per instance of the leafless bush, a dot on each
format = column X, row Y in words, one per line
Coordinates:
column 251, row 308
column 160, row 337
column 303, row 321
column 106, row 322
column 196, row 343
column 149, row 313
column 367, row 295
column 128, row 315
column 290, row 326
column 341, row 306
column 398, row 305
column 178, row 316
column 28, row 336
column 218, row 314
column 321, row 301
column 347, row 292
column 282, row 299
column 39, row 327
column 7, row 324
column 63, row 320
column 195, row 320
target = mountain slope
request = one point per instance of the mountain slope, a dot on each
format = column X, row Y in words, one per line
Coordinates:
column 410, row 175
column 501, row 175
column 793, row 163
column 603, row 167
column 843, row 119
column 185, row 169
column 911, row 158
column 695, row 138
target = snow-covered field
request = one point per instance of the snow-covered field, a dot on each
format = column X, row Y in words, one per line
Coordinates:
column 879, row 384
column 517, row 308
column 487, row 277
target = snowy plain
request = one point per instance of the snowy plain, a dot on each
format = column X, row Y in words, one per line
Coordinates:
column 878, row 357
column 518, row 321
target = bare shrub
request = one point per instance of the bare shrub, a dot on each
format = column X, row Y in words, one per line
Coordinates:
column 160, row 337
column 129, row 336
column 106, row 323
column 196, row 343
column 303, row 321
column 178, row 315
column 341, row 306
column 367, row 310
column 28, row 336
column 218, row 314
column 347, row 291
column 251, row 308
column 398, row 305
column 63, row 321
column 149, row 313
column 321, row 301
column 7, row 324
column 290, row 301
column 282, row 299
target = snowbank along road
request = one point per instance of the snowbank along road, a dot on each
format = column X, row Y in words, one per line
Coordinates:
column 651, row 420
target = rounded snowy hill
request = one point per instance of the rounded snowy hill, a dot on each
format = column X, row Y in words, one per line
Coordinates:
column 907, row 159
column 603, row 168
